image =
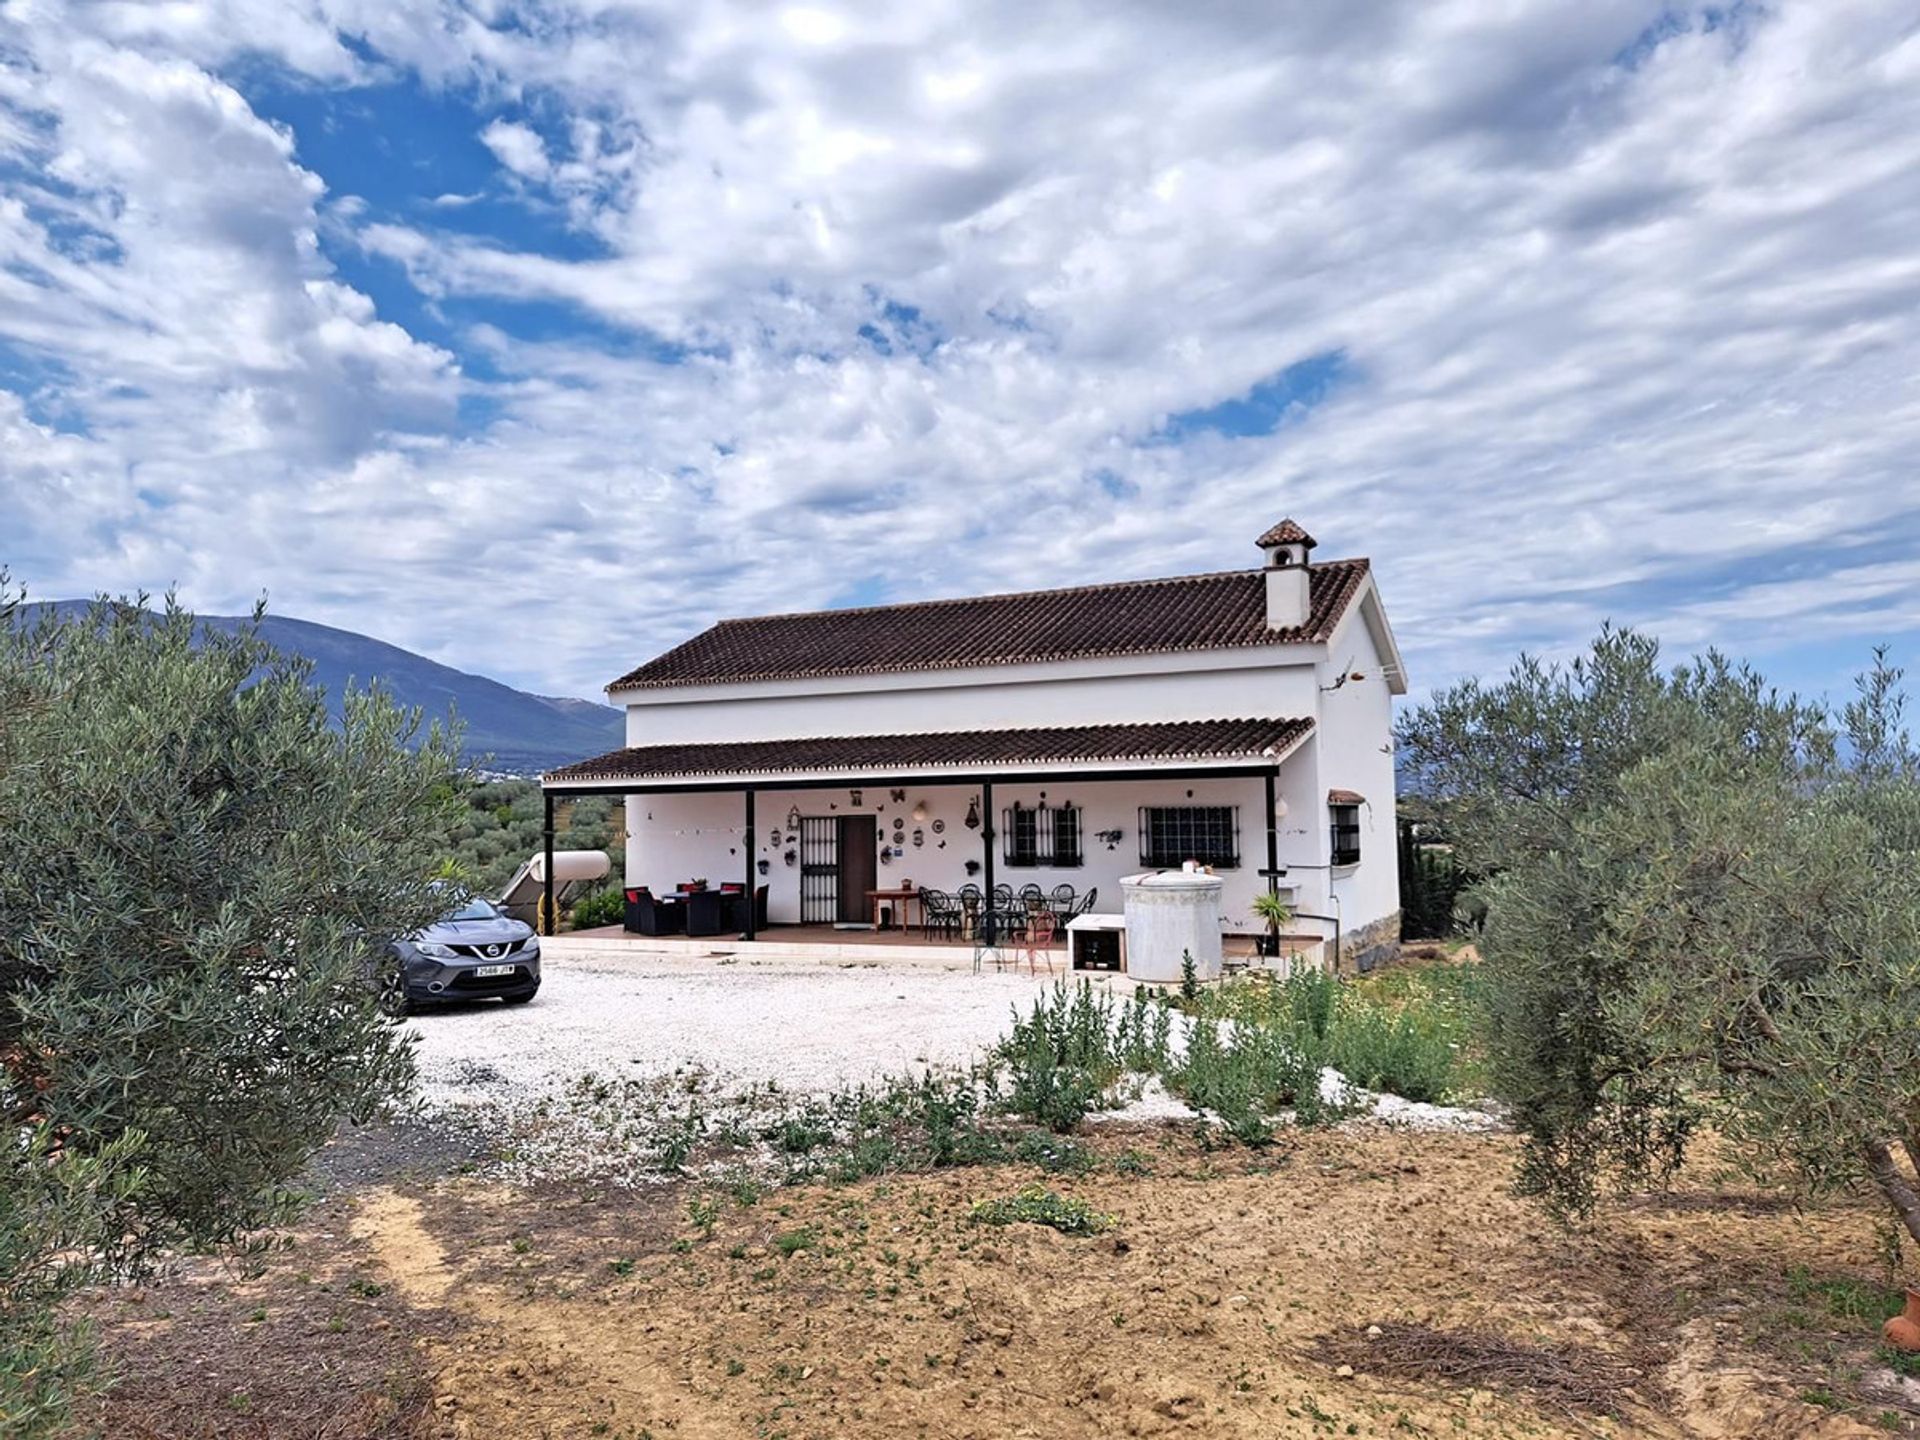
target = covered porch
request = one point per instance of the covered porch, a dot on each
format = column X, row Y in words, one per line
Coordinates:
column 947, row 840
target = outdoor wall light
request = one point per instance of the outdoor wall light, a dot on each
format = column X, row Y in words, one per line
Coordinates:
column 793, row 818
column 853, row 796
column 973, row 814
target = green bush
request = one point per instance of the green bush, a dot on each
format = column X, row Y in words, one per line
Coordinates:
column 1060, row 1061
column 1398, row 1052
column 603, row 907
column 1257, row 1047
column 1037, row 1205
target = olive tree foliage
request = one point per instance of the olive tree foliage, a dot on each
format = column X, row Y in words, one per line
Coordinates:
column 200, row 875
column 1696, row 910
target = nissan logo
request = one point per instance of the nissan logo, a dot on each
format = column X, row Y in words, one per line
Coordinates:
column 493, row 952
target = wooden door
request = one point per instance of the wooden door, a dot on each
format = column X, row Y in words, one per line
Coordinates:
column 859, row 868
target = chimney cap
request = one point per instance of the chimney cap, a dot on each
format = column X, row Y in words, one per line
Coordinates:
column 1287, row 532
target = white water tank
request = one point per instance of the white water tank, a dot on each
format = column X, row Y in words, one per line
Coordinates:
column 1170, row 914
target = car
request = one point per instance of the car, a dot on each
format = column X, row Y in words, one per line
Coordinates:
column 473, row 952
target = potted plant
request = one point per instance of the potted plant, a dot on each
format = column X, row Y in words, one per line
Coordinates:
column 1273, row 912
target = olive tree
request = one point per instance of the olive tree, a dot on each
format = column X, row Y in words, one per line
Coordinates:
column 1696, row 910
column 201, row 873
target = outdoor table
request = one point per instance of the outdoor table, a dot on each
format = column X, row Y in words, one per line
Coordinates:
column 903, row 898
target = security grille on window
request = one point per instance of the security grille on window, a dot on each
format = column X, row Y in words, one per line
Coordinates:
column 1049, row 835
column 1346, row 834
column 1171, row 835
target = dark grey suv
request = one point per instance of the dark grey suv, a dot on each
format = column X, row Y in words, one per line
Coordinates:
column 473, row 953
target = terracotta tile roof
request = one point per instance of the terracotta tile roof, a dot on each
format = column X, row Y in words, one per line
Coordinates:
column 1287, row 532
column 1133, row 617
column 884, row 755
column 1345, row 797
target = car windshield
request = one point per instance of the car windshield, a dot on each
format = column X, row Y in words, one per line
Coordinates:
column 475, row 909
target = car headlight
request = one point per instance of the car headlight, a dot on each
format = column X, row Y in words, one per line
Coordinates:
column 434, row 949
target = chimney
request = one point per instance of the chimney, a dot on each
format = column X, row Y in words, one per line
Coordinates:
column 1288, row 604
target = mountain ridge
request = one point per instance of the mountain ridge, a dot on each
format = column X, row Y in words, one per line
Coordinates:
column 504, row 730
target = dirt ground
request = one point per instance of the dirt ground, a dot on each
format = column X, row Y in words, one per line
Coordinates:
column 1229, row 1284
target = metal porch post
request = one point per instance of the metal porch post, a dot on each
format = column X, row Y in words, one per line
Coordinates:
column 549, row 917
column 1273, row 841
column 986, row 840
column 752, row 872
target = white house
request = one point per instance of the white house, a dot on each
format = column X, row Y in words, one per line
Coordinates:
column 1073, row 736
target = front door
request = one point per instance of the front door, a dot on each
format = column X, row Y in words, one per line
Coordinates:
column 819, row 869
column 858, row 868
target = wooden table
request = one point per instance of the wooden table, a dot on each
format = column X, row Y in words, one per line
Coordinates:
column 902, row 897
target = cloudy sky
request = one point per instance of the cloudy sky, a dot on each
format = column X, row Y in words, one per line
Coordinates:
column 535, row 336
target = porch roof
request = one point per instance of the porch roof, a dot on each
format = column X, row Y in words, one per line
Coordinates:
column 1146, row 748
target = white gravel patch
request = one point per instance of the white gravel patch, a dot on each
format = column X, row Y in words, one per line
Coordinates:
column 1402, row 1113
column 743, row 1022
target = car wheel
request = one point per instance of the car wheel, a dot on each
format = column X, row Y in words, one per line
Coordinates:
column 393, row 989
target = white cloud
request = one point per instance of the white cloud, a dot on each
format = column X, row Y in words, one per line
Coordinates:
column 1627, row 311
column 519, row 148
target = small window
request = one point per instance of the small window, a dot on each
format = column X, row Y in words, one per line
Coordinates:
column 1346, row 834
column 1047, row 836
column 1171, row 835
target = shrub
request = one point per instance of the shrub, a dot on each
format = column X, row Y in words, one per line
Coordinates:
column 903, row 1124
column 1037, row 1205
column 1060, row 1060
column 603, row 907
column 1399, row 1052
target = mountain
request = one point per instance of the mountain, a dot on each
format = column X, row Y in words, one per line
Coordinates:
column 504, row 730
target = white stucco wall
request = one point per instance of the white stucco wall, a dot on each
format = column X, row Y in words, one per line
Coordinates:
column 1354, row 750
column 1226, row 684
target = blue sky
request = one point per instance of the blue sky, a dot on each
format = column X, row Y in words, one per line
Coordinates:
column 534, row 337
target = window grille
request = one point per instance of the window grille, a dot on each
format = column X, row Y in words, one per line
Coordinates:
column 1046, row 836
column 1346, row 834
column 1171, row 835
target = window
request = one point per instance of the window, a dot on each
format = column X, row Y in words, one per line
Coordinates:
column 1346, row 834
column 1171, row 835
column 1048, row 836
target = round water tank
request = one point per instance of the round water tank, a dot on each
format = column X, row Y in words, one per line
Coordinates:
column 1171, row 914
column 571, row 865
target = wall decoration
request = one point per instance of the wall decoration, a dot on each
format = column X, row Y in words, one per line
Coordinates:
column 973, row 867
column 773, row 837
column 886, row 856
column 791, row 857
column 920, row 813
column 899, row 796
column 1110, row 838
column 939, row 827
column 763, row 866
column 919, row 838
column 854, row 796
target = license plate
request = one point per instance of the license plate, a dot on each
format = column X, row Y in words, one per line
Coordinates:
column 488, row 972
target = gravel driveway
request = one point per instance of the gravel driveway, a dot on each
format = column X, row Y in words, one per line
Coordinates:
column 805, row 1026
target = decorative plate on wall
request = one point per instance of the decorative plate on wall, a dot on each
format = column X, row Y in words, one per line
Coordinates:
column 939, row 827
